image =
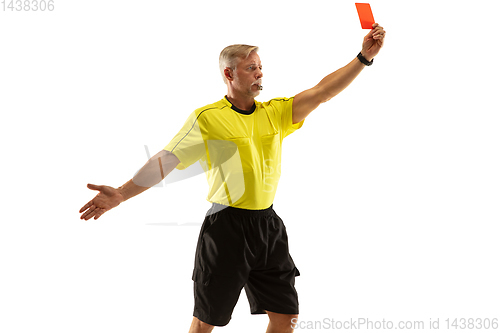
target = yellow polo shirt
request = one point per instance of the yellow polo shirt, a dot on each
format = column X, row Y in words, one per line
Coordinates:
column 240, row 151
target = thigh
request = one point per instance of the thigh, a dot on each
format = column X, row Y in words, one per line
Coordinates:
column 221, row 246
column 220, row 270
column 273, row 290
column 271, row 285
column 215, row 297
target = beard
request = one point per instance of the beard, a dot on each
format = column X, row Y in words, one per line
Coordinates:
column 254, row 89
column 253, row 93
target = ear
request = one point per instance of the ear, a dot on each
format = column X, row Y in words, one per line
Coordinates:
column 228, row 73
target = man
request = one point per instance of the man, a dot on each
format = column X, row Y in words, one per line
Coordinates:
column 242, row 242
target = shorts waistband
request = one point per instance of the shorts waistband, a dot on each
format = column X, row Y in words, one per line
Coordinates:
column 241, row 211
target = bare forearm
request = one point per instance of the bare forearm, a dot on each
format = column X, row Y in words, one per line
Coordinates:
column 337, row 81
column 153, row 172
column 130, row 189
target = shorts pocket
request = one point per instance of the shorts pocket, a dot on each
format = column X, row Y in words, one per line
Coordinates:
column 201, row 277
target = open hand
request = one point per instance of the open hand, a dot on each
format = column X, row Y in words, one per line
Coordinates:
column 373, row 42
column 107, row 198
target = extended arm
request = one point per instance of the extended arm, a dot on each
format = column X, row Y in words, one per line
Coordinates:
column 156, row 168
column 308, row 100
column 153, row 172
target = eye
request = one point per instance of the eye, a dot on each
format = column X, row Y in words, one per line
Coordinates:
column 254, row 67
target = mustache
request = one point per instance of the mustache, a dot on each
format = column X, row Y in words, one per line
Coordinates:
column 259, row 84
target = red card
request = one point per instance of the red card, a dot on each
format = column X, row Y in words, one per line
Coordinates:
column 365, row 15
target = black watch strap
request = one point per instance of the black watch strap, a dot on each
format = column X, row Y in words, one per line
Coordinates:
column 363, row 60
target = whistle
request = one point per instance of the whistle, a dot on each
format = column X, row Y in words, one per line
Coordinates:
column 260, row 87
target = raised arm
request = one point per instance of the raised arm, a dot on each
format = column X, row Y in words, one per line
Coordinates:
column 308, row 100
column 156, row 168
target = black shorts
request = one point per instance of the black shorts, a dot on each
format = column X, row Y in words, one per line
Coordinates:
column 239, row 248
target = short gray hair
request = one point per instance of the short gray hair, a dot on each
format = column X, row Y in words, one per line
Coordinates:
column 229, row 56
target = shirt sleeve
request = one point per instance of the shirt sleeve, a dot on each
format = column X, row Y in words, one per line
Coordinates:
column 284, row 108
column 188, row 145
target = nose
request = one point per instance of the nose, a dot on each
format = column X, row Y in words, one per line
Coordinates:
column 259, row 73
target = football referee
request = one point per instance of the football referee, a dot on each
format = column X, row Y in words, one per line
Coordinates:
column 237, row 140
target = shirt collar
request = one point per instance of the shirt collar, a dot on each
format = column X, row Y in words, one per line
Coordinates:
column 239, row 110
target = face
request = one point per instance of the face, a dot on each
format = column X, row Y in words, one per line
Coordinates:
column 248, row 75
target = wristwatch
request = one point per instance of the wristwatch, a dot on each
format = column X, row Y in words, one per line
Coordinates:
column 363, row 60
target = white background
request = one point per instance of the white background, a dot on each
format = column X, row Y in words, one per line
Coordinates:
column 390, row 191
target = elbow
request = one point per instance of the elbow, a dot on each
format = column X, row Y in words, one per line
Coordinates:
column 326, row 99
column 326, row 90
column 324, row 95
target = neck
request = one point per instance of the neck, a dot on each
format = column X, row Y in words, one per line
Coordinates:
column 240, row 101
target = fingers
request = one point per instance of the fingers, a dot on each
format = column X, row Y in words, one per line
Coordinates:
column 90, row 203
column 99, row 213
column 89, row 208
column 93, row 212
column 94, row 187
column 378, row 31
column 89, row 213
column 95, row 208
column 84, row 208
